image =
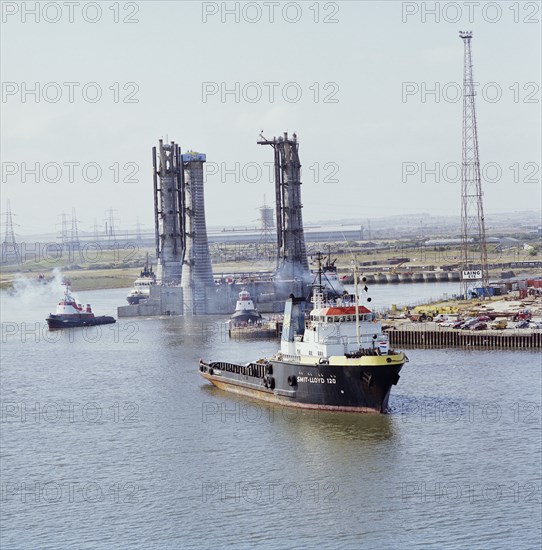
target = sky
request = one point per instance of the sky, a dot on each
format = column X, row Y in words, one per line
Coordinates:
column 372, row 89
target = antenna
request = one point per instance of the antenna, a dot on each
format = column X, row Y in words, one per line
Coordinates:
column 474, row 268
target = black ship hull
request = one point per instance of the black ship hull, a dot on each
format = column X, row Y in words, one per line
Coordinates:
column 352, row 388
column 134, row 300
column 71, row 321
column 245, row 316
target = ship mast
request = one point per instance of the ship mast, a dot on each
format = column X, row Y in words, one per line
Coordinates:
column 318, row 289
column 357, row 300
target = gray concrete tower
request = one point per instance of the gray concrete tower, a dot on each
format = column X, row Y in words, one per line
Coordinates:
column 197, row 274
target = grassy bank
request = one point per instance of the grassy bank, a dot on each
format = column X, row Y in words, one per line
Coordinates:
column 109, row 272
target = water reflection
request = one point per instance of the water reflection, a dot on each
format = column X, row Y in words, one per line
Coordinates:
column 301, row 423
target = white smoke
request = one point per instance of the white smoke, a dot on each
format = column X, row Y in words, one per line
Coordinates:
column 28, row 290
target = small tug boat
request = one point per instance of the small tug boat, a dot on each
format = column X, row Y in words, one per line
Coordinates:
column 245, row 311
column 338, row 359
column 142, row 285
column 70, row 314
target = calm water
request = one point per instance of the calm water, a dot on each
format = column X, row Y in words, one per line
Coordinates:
column 111, row 439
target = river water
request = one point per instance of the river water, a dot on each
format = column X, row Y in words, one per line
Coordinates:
column 111, row 439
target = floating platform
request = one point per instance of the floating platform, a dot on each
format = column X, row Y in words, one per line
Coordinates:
column 267, row 330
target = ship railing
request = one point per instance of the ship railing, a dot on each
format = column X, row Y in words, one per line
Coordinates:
column 331, row 340
column 288, row 357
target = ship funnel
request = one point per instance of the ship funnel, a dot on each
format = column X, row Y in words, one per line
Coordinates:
column 294, row 318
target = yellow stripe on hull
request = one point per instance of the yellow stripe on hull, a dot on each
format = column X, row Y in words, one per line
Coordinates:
column 368, row 360
column 342, row 361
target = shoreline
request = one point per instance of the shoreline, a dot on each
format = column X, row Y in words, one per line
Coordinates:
column 124, row 277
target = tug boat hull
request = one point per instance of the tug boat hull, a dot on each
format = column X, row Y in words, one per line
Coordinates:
column 351, row 388
column 71, row 321
column 245, row 316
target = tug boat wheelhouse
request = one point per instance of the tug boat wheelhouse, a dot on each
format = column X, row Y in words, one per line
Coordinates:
column 70, row 314
column 338, row 359
column 245, row 312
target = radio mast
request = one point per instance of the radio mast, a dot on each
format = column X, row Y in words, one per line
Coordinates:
column 474, row 268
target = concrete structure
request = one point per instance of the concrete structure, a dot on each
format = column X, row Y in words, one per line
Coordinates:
column 166, row 297
column 266, row 218
column 163, row 300
column 197, row 273
column 168, row 213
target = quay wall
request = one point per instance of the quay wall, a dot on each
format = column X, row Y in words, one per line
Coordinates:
column 421, row 337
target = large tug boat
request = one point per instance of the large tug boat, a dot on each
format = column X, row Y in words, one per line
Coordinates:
column 142, row 285
column 69, row 314
column 337, row 359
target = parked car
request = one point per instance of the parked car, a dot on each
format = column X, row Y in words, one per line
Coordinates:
column 440, row 318
column 457, row 324
column 535, row 325
column 522, row 324
column 499, row 324
column 484, row 318
column 419, row 317
column 479, row 326
column 467, row 325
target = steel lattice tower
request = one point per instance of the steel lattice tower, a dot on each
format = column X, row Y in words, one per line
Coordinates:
column 75, row 244
column 474, row 268
column 9, row 244
column 64, row 235
column 168, row 212
column 110, row 226
column 291, row 254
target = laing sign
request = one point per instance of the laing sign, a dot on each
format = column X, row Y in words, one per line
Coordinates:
column 471, row 275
